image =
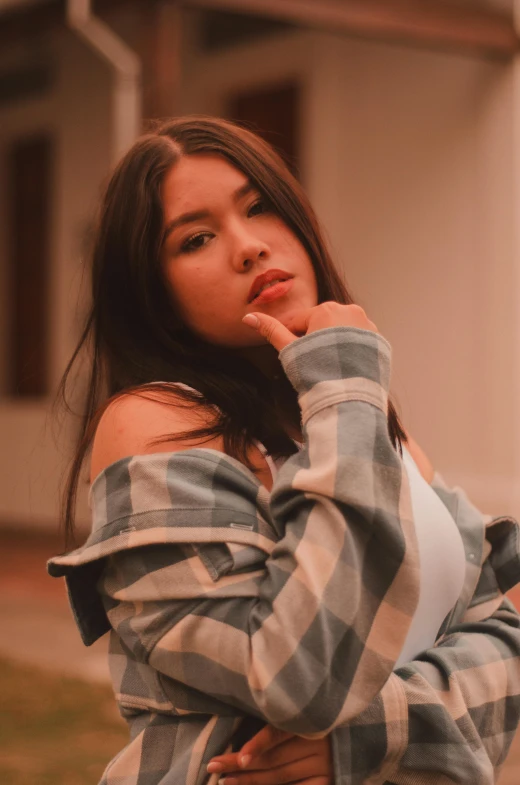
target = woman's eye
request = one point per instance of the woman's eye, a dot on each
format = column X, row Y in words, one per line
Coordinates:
column 257, row 208
column 195, row 242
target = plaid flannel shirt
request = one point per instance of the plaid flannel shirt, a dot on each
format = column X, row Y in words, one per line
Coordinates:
column 229, row 606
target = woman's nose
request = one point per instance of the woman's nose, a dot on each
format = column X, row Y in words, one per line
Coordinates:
column 249, row 250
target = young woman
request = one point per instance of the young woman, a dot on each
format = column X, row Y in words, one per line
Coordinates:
column 271, row 562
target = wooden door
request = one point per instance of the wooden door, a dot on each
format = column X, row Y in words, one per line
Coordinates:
column 274, row 113
column 29, row 265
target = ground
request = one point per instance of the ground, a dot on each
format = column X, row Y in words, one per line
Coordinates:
column 55, row 730
column 46, row 674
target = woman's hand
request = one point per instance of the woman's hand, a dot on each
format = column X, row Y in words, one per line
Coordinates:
column 274, row 757
column 304, row 322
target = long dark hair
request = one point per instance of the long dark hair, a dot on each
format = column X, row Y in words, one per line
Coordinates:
column 134, row 335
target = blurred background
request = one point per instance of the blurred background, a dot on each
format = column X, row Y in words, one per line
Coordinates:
column 402, row 120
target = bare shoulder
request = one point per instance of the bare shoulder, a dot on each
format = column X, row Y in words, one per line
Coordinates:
column 132, row 423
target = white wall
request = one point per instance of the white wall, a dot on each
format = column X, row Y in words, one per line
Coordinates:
column 412, row 173
column 78, row 111
column 408, row 159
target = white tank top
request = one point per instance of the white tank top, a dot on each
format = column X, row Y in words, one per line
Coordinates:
column 441, row 557
column 442, row 562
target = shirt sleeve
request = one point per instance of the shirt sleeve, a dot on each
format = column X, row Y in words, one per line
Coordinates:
column 451, row 714
column 448, row 716
column 304, row 636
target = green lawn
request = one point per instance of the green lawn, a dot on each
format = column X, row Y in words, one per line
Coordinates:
column 53, row 730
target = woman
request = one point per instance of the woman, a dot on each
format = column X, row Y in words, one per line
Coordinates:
column 257, row 525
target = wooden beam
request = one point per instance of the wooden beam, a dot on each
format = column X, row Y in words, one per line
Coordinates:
column 437, row 23
column 21, row 23
column 27, row 20
column 429, row 22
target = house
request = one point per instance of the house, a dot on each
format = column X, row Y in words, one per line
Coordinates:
column 402, row 118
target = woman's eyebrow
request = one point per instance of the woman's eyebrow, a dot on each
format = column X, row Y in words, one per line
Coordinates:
column 185, row 218
column 199, row 215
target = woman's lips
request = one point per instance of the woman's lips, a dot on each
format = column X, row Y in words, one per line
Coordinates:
column 273, row 292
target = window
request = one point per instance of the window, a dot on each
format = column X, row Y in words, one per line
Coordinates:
column 273, row 113
column 29, row 214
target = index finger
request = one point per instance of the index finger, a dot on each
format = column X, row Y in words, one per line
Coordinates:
column 270, row 328
column 266, row 738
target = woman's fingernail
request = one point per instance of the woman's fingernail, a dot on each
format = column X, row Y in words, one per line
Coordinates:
column 228, row 781
column 244, row 761
column 215, row 768
column 251, row 320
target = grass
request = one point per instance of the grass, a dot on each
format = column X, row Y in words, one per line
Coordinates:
column 54, row 730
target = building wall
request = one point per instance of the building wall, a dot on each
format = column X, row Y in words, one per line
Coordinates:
column 408, row 160
column 412, row 173
column 33, row 448
column 407, row 156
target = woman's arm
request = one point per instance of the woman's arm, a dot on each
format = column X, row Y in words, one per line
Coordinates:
column 460, row 700
column 307, row 638
column 450, row 715
column 447, row 717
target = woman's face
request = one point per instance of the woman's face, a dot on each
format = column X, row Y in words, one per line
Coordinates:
column 219, row 238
